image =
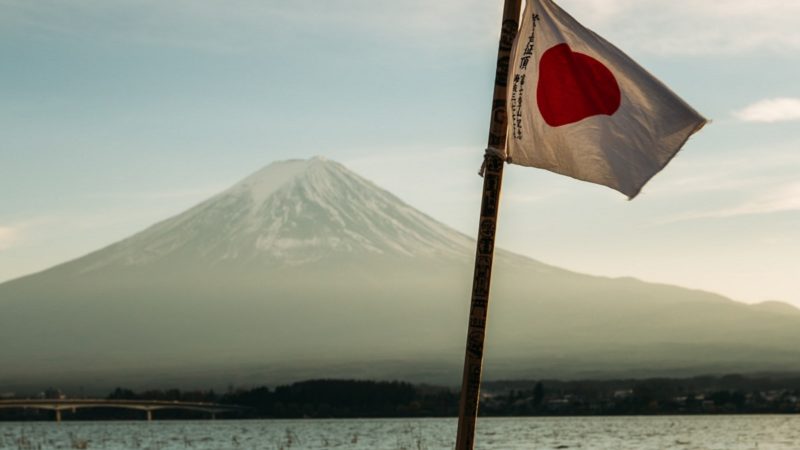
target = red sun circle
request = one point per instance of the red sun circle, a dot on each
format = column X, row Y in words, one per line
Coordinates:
column 573, row 86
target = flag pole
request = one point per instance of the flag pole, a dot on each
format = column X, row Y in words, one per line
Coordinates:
column 492, row 180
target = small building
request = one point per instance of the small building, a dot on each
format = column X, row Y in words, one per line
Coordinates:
column 623, row 393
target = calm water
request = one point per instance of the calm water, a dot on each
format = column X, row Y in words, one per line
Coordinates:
column 609, row 433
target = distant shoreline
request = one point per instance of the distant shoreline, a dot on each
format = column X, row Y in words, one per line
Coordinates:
column 338, row 399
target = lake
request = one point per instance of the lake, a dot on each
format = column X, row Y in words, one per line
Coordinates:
column 606, row 433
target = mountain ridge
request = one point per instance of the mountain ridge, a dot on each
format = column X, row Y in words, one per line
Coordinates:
column 304, row 267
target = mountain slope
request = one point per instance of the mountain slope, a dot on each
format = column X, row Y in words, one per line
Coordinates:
column 306, row 269
column 289, row 213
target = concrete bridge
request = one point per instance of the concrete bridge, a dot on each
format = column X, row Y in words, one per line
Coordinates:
column 148, row 406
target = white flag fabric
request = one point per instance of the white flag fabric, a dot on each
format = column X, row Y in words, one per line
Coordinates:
column 580, row 107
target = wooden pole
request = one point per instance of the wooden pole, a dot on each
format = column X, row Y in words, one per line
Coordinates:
column 484, row 254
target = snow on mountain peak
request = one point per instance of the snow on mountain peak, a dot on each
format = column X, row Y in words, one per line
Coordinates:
column 289, row 213
column 264, row 182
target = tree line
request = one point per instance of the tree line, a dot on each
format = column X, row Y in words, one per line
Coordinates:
column 332, row 398
column 730, row 394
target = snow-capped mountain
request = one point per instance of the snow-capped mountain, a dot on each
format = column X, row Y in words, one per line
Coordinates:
column 290, row 213
column 305, row 269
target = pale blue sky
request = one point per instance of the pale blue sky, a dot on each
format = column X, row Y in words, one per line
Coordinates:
column 116, row 114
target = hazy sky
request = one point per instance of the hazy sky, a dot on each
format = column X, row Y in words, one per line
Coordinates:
column 117, row 114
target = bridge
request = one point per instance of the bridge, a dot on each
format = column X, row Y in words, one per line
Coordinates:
column 148, row 406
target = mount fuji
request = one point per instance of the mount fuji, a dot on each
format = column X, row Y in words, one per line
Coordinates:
column 305, row 269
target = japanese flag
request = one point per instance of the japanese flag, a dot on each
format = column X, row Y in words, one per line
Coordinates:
column 580, row 107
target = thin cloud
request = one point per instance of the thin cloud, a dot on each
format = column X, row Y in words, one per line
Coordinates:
column 196, row 194
column 393, row 168
column 784, row 199
column 744, row 169
column 771, row 110
column 743, row 185
column 688, row 27
column 8, row 237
